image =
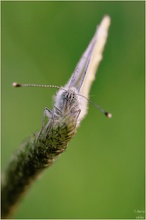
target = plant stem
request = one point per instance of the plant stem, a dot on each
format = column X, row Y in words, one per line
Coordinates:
column 34, row 155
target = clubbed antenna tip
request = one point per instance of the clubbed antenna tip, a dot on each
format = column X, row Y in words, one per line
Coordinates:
column 108, row 115
column 14, row 84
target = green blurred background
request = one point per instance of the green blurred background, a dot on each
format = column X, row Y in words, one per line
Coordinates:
column 101, row 175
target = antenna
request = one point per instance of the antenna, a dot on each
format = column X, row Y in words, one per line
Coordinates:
column 14, row 84
column 107, row 114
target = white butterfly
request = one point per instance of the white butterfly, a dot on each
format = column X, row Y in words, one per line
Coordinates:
column 71, row 101
column 85, row 71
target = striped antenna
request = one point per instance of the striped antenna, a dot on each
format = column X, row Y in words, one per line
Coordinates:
column 14, row 84
column 107, row 114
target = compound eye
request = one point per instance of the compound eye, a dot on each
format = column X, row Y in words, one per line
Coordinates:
column 73, row 97
column 66, row 96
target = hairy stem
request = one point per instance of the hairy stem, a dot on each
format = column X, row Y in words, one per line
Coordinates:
column 34, row 155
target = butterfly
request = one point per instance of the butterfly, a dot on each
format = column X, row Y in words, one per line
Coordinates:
column 71, row 101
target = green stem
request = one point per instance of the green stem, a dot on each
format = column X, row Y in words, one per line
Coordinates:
column 34, row 155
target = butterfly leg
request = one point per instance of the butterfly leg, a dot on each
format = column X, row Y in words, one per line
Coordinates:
column 77, row 113
column 58, row 110
column 47, row 113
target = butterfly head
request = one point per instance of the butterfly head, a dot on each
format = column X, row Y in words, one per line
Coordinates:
column 67, row 100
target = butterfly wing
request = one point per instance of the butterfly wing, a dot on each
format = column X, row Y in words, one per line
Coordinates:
column 85, row 71
column 78, row 75
column 100, row 40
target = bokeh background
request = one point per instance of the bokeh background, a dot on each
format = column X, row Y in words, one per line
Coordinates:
column 101, row 174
